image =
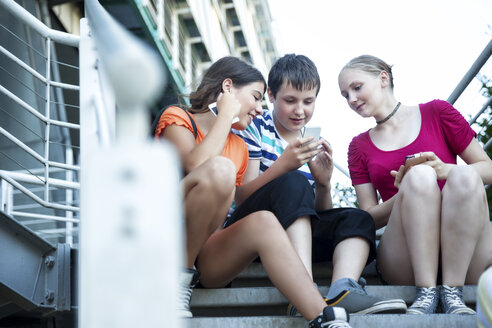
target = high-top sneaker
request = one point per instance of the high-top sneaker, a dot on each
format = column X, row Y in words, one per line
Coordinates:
column 452, row 301
column 331, row 317
column 426, row 300
column 188, row 279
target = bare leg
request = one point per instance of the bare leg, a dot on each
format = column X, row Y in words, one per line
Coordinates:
column 409, row 249
column 299, row 234
column 482, row 257
column 208, row 190
column 464, row 221
column 229, row 251
column 349, row 258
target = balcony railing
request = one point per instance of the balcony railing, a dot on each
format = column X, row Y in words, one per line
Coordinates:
column 39, row 176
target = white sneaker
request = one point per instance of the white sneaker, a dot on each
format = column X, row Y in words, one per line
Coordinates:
column 188, row 279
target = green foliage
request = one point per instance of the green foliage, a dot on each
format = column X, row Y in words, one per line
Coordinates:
column 344, row 196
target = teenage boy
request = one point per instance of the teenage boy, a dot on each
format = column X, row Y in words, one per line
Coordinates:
column 290, row 175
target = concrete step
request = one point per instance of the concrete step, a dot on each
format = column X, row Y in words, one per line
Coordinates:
column 268, row 301
column 356, row 321
column 255, row 275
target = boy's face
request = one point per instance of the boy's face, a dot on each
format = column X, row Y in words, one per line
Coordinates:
column 292, row 108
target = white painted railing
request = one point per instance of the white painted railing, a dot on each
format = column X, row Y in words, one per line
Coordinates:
column 29, row 191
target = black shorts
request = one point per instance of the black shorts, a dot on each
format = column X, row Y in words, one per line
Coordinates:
column 288, row 197
column 337, row 224
column 292, row 196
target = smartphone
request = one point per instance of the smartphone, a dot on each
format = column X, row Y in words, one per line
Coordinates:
column 412, row 160
column 213, row 109
column 312, row 131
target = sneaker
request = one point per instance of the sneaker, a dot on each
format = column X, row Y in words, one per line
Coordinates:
column 356, row 301
column 426, row 300
column 188, row 279
column 452, row 301
column 484, row 300
column 331, row 317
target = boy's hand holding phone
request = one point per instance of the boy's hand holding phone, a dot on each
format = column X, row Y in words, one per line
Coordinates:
column 298, row 152
column 321, row 166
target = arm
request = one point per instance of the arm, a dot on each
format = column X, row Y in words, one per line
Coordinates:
column 476, row 157
column 295, row 155
column 368, row 201
column 193, row 155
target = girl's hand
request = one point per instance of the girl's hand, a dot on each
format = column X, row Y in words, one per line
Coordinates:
column 442, row 169
column 298, row 153
column 228, row 104
column 321, row 166
column 398, row 175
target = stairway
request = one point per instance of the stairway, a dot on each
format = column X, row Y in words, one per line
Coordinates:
column 252, row 301
column 37, row 280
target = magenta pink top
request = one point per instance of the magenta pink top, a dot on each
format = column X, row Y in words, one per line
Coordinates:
column 443, row 131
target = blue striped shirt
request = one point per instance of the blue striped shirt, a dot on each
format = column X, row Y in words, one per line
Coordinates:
column 265, row 143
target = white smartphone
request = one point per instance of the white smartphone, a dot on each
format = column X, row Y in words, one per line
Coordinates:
column 312, row 131
column 213, row 109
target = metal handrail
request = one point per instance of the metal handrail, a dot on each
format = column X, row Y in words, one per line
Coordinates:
column 480, row 112
column 472, row 72
column 26, row 17
column 17, row 180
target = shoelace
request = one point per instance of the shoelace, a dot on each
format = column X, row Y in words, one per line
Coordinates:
column 452, row 296
column 336, row 324
column 425, row 298
column 185, row 296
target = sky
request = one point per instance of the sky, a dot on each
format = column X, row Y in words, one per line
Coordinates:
column 430, row 43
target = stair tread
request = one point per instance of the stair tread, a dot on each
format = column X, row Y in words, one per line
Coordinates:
column 257, row 296
column 367, row 321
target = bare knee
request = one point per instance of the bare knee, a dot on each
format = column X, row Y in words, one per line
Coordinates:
column 264, row 224
column 463, row 183
column 219, row 176
column 464, row 200
column 420, row 180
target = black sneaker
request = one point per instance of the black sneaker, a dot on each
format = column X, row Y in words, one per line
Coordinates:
column 426, row 300
column 188, row 279
column 356, row 301
column 452, row 301
column 332, row 317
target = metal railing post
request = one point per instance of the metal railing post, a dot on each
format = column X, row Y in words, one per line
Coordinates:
column 131, row 225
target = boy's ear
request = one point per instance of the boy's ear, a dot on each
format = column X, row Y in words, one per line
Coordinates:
column 270, row 95
column 227, row 85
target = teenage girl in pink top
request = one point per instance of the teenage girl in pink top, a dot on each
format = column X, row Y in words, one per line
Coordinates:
column 436, row 213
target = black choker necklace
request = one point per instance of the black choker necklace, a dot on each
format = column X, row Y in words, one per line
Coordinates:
column 391, row 114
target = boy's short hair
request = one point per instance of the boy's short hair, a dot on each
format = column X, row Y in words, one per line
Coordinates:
column 297, row 70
